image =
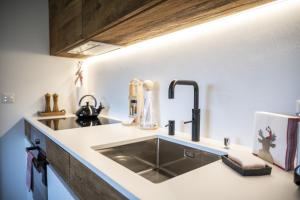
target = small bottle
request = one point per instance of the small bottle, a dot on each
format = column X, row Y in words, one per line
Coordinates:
column 135, row 100
column 133, row 108
column 226, row 143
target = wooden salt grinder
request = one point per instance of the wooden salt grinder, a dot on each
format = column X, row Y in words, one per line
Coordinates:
column 47, row 106
column 55, row 103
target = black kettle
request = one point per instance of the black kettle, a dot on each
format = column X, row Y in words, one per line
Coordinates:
column 89, row 111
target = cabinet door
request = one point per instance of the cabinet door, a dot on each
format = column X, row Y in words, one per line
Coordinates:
column 87, row 185
column 65, row 18
column 57, row 189
column 38, row 139
column 35, row 136
column 102, row 14
column 59, row 159
column 169, row 16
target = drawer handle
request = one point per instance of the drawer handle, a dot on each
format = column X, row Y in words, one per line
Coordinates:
column 37, row 141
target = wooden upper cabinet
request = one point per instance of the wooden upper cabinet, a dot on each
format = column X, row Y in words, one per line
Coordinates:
column 169, row 16
column 99, row 15
column 73, row 23
column 65, row 24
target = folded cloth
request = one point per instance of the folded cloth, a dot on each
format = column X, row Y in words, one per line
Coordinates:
column 275, row 138
column 246, row 160
column 30, row 157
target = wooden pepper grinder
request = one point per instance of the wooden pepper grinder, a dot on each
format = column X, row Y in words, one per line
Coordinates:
column 47, row 106
column 55, row 103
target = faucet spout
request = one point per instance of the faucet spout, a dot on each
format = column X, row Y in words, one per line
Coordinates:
column 185, row 82
column 195, row 111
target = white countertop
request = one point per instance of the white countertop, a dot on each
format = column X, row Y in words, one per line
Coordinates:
column 215, row 181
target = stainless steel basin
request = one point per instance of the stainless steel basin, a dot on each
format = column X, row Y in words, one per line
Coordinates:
column 159, row 160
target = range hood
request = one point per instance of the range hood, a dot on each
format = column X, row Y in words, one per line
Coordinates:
column 93, row 48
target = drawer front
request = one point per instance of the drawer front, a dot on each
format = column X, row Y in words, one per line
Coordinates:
column 59, row 159
column 88, row 185
column 35, row 136
column 38, row 139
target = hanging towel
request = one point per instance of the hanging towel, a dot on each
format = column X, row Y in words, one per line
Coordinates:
column 276, row 138
column 30, row 157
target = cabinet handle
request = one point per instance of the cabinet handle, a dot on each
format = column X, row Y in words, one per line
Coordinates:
column 37, row 141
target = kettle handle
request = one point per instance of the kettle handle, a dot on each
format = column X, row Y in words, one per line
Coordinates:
column 95, row 100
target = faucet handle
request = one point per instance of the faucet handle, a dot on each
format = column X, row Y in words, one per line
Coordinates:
column 226, row 143
column 171, row 125
column 187, row 122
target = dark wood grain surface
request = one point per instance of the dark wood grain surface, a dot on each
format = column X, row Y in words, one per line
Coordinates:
column 65, row 21
column 59, row 159
column 172, row 15
column 88, row 185
column 99, row 15
column 119, row 22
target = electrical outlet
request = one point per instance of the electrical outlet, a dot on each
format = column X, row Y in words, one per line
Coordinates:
column 7, row 98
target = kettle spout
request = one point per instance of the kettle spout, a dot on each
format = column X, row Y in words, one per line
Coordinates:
column 100, row 108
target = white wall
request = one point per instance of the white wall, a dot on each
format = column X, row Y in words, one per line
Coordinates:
column 242, row 64
column 27, row 70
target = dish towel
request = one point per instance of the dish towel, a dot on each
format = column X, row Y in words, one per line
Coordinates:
column 276, row 138
column 246, row 160
column 30, row 157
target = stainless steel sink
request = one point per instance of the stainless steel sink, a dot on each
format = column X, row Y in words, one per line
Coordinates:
column 158, row 160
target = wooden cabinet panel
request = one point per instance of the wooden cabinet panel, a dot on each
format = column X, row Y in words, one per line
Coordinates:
column 35, row 136
column 38, row 139
column 119, row 22
column 65, row 19
column 27, row 130
column 59, row 159
column 84, row 183
column 87, row 185
column 170, row 16
column 102, row 14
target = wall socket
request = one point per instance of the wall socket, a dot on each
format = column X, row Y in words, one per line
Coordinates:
column 7, row 98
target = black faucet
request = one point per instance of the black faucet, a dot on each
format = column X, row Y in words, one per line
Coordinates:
column 195, row 111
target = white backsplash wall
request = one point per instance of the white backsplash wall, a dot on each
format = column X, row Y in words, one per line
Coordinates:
column 27, row 70
column 243, row 64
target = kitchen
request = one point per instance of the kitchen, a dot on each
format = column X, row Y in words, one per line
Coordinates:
column 244, row 62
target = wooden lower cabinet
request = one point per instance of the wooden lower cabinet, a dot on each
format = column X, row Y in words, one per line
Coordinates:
column 88, row 186
column 85, row 184
column 59, row 159
column 27, row 127
column 35, row 137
